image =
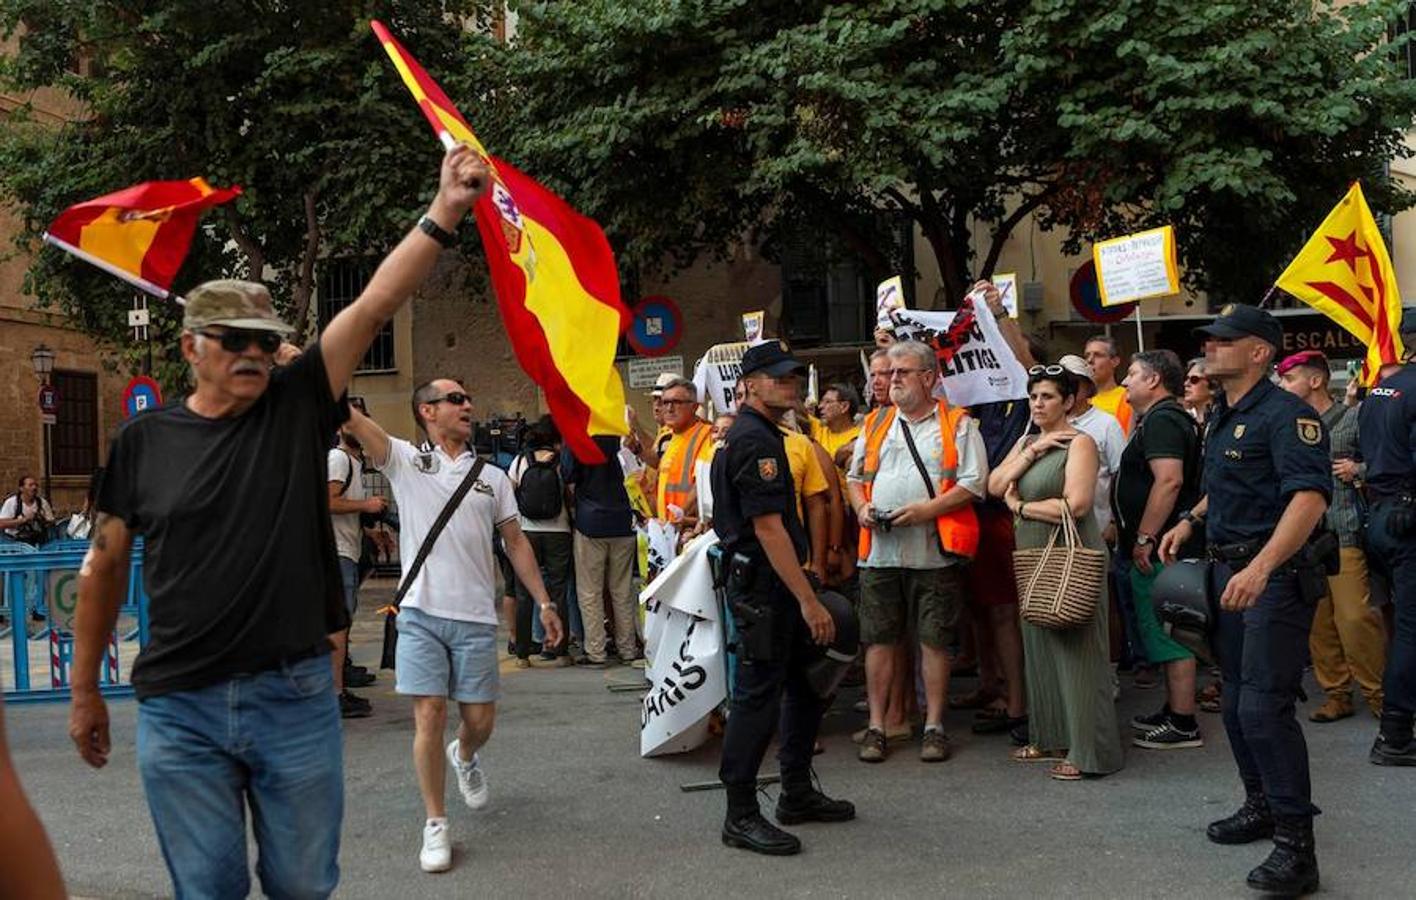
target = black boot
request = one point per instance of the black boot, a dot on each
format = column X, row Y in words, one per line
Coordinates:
column 1251, row 823
column 1394, row 746
column 752, row 832
column 1292, row 868
column 810, row 805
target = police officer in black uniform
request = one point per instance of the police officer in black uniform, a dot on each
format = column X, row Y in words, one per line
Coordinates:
column 1267, row 481
column 1387, row 435
column 775, row 611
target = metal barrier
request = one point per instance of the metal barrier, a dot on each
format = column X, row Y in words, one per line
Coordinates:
column 46, row 580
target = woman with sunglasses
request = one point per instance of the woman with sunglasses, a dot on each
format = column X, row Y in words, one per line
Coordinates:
column 1071, row 714
column 1199, row 391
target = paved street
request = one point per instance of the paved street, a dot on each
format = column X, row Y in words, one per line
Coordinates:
column 576, row 812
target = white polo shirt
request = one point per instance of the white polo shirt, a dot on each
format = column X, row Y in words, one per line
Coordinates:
column 458, row 579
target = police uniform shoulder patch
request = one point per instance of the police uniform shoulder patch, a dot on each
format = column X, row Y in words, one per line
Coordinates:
column 1310, row 431
column 767, row 469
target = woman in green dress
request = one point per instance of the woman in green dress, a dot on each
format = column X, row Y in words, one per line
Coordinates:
column 1071, row 712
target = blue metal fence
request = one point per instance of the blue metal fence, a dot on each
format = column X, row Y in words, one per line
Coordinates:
column 40, row 596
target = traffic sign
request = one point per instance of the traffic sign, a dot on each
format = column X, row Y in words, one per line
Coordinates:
column 1086, row 297
column 48, row 399
column 140, row 394
column 657, row 326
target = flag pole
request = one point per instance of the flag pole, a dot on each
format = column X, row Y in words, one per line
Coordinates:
column 1140, row 335
column 1273, row 289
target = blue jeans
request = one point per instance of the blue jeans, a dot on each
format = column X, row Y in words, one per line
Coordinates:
column 271, row 741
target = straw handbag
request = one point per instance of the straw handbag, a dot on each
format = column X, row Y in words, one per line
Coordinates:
column 1059, row 586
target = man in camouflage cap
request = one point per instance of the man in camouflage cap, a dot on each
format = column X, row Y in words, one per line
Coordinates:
column 228, row 487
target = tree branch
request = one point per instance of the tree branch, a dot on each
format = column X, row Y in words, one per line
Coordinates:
column 305, row 286
column 1005, row 228
column 255, row 255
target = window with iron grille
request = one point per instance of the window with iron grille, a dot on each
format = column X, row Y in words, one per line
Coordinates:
column 341, row 281
column 1406, row 59
column 73, row 439
column 828, row 294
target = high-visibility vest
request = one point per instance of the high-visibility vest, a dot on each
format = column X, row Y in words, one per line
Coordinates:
column 958, row 530
column 677, row 487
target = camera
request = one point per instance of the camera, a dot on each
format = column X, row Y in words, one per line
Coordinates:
column 882, row 519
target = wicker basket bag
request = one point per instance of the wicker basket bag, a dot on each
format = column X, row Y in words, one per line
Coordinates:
column 1059, row 586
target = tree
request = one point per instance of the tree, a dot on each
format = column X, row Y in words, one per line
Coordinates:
column 685, row 126
column 295, row 102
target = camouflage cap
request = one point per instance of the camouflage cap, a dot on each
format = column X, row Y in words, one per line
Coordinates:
column 235, row 304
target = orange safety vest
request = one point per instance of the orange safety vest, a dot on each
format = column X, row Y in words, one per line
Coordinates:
column 958, row 530
column 676, row 488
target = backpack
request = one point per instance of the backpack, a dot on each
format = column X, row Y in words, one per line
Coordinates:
column 539, row 495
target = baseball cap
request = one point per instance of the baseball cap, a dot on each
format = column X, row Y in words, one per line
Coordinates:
column 1237, row 320
column 1077, row 366
column 664, row 380
column 1312, row 358
column 235, row 304
column 772, row 357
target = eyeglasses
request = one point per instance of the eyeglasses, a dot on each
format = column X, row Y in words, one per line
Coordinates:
column 236, row 340
column 676, row 402
column 456, row 398
column 1046, row 370
column 900, row 373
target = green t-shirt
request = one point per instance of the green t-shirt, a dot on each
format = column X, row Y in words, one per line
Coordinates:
column 1166, row 431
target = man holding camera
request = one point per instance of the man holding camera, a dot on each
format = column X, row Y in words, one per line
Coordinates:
column 918, row 468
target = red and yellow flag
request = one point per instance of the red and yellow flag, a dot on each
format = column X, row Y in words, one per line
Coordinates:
column 1344, row 272
column 141, row 233
column 554, row 274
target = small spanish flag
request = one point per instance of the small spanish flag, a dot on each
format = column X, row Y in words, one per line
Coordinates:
column 554, row 274
column 140, row 234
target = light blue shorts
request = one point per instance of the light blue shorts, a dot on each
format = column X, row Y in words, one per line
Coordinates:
column 439, row 657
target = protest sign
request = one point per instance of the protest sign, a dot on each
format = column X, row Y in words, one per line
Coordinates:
column 1007, row 284
column 752, row 326
column 982, row 370
column 889, row 298
column 716, row 375
column 1137, row 266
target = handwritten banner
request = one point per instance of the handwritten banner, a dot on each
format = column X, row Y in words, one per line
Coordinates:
column 1137, row 266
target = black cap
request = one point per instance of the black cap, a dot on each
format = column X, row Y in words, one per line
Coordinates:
column 1237, row 320
column 771, row 357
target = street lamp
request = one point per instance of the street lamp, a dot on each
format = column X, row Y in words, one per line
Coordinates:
column 43, row 361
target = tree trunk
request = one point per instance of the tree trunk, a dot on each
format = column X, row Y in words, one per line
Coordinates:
column 305, row 284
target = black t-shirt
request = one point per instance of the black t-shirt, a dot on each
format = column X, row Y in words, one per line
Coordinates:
column 602, row 507
column 1165, row 431
column 750, row 477
column 239, row 561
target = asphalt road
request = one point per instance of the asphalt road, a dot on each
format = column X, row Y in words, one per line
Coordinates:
column 576, row 812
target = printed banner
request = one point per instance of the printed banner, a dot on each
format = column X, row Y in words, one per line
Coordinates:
column 982, row 370
column 1137, row 266
column 716, row 375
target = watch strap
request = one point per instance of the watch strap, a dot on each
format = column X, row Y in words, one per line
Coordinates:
column 437, row 232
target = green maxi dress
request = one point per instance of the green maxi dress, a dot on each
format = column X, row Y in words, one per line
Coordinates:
column 1070, row 704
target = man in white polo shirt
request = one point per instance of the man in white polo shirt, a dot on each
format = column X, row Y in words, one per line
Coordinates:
column 447, row 621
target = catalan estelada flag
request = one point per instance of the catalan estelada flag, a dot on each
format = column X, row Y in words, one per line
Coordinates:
column 1344, row 272
column 141, row 233
column 554, row 275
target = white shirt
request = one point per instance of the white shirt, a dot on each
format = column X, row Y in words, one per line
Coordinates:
column 14, row 508
column 560, row 523
column 899, row 482
column 458, row 579
column 348, row 533
column 1102, row 427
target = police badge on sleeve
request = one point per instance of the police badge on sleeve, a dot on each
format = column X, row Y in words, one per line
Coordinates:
column 767, row 469
column 1310, row 431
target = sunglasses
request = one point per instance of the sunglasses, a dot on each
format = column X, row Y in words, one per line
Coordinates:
column 456, row 398
column 1195, row 379
column 1046, row 370
column 236, row 340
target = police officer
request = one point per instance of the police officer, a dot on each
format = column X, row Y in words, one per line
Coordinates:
column 775, row 611
column 1387, row 435
column 1267, row 480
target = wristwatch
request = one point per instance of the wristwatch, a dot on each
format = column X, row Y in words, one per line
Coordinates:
column 1145, row 540
column 1191, row 517
column 546, row 606
column 437, row 232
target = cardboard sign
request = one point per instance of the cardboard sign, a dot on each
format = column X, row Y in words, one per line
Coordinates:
column 1007, row 284
column 1137, row 266
column 889, row 298
column 752, row 326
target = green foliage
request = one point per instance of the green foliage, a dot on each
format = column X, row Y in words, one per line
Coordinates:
column 295, row 102
column 683, row 126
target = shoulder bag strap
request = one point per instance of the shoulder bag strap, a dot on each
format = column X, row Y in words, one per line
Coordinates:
column 452, row 503
column 914, row 452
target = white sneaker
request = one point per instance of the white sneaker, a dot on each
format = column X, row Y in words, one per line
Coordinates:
column 436, row 855
column 470, row 779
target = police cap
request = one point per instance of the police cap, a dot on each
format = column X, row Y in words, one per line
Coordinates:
column 1237, row 320
column 773, row 358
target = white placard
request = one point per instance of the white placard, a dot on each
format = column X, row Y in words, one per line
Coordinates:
column 645, row 370
column 889, row 298
column 1137, row 266
column 1007, row 284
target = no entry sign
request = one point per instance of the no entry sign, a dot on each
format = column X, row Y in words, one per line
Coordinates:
column 140, row 394
column 657, row 326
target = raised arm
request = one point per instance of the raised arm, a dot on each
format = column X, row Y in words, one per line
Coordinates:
column 463, row 178
column 371, row 436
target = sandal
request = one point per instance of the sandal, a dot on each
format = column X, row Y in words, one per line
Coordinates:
column 1065, row 771
column 1034, row 753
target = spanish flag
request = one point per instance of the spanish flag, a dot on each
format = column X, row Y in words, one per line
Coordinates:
column 554, row 275
column 1344, row 272
column 141, row 233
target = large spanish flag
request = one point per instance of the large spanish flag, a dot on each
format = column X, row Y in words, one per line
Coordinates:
column 554, row 275
column 1344, row 272
column 141, row 233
